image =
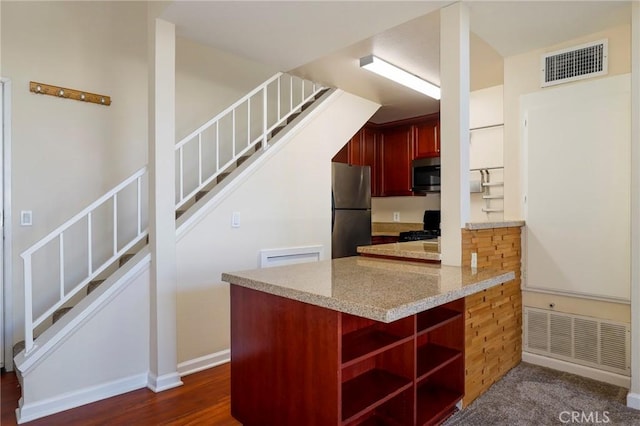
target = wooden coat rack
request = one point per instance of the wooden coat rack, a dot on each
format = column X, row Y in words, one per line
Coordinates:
column 63, row 92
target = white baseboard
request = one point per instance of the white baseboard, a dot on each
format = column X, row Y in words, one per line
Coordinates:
column 633, row 400
column 31, row 411
column 164, row 382
column 580, row 370
column 204, row 362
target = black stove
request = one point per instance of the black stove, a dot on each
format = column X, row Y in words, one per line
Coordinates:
column 426, row 234
column 431, row 229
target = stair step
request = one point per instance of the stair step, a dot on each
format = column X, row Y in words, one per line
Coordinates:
column 18, row 347
column 221, row 176
column 125, row 258
column 292, row 117
column 320, row 93
column 93, row 285
column 276, row 130
column 199, row 195
column 305, row 106
column 242, row 160
column 60, row 313
column 178, row 214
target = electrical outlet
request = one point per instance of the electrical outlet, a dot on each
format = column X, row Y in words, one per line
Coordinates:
column 396, row 216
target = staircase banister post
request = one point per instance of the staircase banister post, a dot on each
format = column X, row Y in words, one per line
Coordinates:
column 28, row 303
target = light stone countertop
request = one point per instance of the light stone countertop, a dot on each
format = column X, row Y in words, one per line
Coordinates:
column 379, row 289
column 420, row 250
column 489, row 225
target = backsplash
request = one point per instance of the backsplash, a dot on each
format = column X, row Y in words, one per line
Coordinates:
column 411, row 209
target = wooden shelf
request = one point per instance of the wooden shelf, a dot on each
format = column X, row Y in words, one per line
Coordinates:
column 432, row 358
column 435, row 317
column 433, row 403
column 369, row 390
column 367, row 342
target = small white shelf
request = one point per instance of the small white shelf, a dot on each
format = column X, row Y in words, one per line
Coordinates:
column 493, row 184
column 493, row 197
column 486, row 210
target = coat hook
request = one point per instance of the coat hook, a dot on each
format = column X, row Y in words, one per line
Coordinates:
column 61, row 92
column 39, row 89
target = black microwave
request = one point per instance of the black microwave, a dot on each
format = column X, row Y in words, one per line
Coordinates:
column 425, row 175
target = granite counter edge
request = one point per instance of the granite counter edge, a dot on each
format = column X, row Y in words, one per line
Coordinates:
column 365, row 311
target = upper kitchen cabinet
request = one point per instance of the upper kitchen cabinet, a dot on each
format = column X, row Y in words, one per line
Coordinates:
column 389, row 148
column 363, row 150
column 427, row 138
column 397, row 153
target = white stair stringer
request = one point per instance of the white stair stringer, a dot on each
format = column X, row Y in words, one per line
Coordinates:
column 98, row 350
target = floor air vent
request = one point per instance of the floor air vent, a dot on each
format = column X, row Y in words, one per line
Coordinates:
column 575, row 63
column 583, row 340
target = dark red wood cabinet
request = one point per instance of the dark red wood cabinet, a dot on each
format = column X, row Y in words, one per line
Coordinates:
column 363, row 150
column 298, row 364
column 427, row 139
column 389, row 149
column 384, row 239
column 396, row 156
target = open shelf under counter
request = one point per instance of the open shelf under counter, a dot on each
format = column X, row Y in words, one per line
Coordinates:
column 369, row 390
column 368, row 342
column 430, row 358
column 436, row 317
column 433, row 403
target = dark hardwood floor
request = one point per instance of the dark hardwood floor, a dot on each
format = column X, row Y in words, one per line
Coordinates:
column 202, row 400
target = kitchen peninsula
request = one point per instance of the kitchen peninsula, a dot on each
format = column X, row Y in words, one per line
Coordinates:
column 351, row 341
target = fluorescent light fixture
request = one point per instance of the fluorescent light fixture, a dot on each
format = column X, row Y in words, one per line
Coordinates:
column 385, row 69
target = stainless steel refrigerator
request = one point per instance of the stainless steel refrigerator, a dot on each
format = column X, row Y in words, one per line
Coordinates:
column 350, row 209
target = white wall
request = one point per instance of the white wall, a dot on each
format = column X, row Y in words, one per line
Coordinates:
column 411, row 209
column 208, row 80
column 286, row 202
column 106, row 356
column 486, row 149
column 522, row 77
column 67, row 153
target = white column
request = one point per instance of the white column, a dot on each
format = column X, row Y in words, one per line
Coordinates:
column 163, row 362
column 633, row 397
column 454, row 128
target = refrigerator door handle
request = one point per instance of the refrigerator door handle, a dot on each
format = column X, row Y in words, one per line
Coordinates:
column 333, row 210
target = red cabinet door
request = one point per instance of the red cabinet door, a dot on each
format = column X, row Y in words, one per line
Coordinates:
column 397, row 153
column 427, row 139
column 370, row 150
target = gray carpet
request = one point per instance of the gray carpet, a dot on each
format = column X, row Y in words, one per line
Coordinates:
column 533, row 395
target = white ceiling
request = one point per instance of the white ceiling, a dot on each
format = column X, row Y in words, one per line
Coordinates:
column 323, row 40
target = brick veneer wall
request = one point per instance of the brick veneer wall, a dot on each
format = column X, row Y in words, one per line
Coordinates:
column 493, row 317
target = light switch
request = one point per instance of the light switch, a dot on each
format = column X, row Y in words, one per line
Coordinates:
column 26, row 218
column 235, row 220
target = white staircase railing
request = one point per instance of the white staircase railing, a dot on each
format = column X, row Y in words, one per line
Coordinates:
column 261, row 111
column 265, row 108
column 119, row 248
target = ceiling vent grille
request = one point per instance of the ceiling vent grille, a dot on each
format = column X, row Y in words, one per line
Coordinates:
column 575, row 63
column 582, row 340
